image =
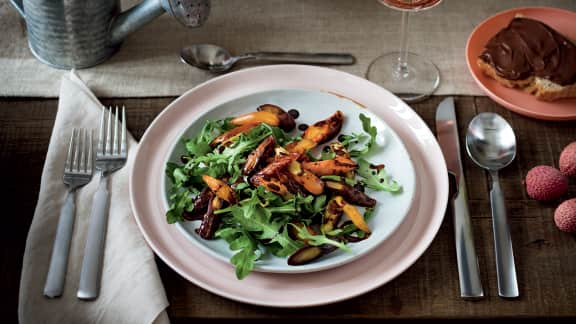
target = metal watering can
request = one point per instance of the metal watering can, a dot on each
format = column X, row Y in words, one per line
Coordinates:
column 82, row 33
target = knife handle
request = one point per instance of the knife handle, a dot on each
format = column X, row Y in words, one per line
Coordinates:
column 468, row 269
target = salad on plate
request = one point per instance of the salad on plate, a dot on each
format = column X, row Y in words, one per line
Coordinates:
column 256, row 182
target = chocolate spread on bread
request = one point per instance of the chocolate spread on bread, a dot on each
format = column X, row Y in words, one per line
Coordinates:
column 528, row 47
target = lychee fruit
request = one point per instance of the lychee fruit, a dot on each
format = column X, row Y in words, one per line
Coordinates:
column 544, row 182
column 568, row 160
column 565, row 216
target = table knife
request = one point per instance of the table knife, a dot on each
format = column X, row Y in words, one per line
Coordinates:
column 468, row 270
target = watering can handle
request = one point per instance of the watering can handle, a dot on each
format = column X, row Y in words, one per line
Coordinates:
column 17, row 4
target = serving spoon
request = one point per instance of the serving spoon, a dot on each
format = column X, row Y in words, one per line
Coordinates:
column 491, row 144
column 217, row 59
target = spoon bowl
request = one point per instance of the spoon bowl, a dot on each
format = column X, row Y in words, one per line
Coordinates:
column 217, row 59
column 208, row 57
column 491, row 143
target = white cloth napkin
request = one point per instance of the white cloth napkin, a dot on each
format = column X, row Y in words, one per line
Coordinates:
column 131, row 290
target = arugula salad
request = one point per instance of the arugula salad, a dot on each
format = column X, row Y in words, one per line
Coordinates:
column 266, row 188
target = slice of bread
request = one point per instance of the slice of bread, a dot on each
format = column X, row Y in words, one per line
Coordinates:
column 490, row 71
column 541, row 88
column 547, row 90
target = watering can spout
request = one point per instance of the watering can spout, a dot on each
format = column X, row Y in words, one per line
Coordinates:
column 191, row 13
column 134, row 18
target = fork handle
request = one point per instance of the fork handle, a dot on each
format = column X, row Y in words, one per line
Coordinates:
column 94, row 250
column 59, row 260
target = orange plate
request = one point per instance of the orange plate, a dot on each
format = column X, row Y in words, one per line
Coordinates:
column 516, row 100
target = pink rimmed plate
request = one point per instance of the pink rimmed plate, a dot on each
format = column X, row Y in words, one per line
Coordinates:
column 383, row 263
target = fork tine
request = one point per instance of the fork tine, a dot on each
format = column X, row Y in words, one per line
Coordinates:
column 68, row 164
column 123, row 143
column 115, row 145
column 109, row 132
column 100, row 149
column 82, row 142
column 77, row 148
column 89, row 159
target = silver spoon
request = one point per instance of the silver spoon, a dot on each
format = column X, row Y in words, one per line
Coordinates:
column 217, row 59
column 491, row 143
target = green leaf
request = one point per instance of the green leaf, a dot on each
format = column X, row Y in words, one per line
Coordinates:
column 246, row 246
column 348, row 181
column 319, row 239
column 377, row 180
column 241, row 186
column 180, row 200
column 195, row 147
column 228, row 161
column 287, row 246
column 170, row 166
column 244, row 262
column 179, row 176
column 257, row 223
column 173, row 217
column 306, row 207
column 327, row 155
column 200, row 144
column 368, row 214
column 349, row 140
column 254, row 218
column 370, row 130
column 319, row 204
column 348, row 229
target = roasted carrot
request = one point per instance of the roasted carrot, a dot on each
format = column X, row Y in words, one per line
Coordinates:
column 220, row 189
column 270, row 183
column 257, row 117
column 264, row 149
column 308, row 180
column 332, row 215
column 354, row 215
column 301, row 146
column 337, row 166
column 351, row 194
column 227, row 136
column 286, row 122
column 326, row 129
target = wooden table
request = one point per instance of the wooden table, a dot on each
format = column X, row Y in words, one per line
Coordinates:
column 545, row 257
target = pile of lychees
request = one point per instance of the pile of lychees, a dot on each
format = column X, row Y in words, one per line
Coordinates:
column 547, row 183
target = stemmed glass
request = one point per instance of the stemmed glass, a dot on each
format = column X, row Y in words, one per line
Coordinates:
column 409, row 76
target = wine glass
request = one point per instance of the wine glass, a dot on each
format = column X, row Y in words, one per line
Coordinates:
column 409, row 76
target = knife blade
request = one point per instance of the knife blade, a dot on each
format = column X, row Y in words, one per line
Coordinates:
column 468, row 270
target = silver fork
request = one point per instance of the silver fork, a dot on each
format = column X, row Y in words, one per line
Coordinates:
column 110, row 156
column 77, row 172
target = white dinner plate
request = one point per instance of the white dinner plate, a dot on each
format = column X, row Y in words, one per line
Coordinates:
column 314, row 105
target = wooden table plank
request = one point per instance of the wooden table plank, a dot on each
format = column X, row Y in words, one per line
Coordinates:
column 546, row 258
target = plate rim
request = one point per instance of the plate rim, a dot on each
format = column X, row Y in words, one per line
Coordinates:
column 433, row 223
column 503, row 101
